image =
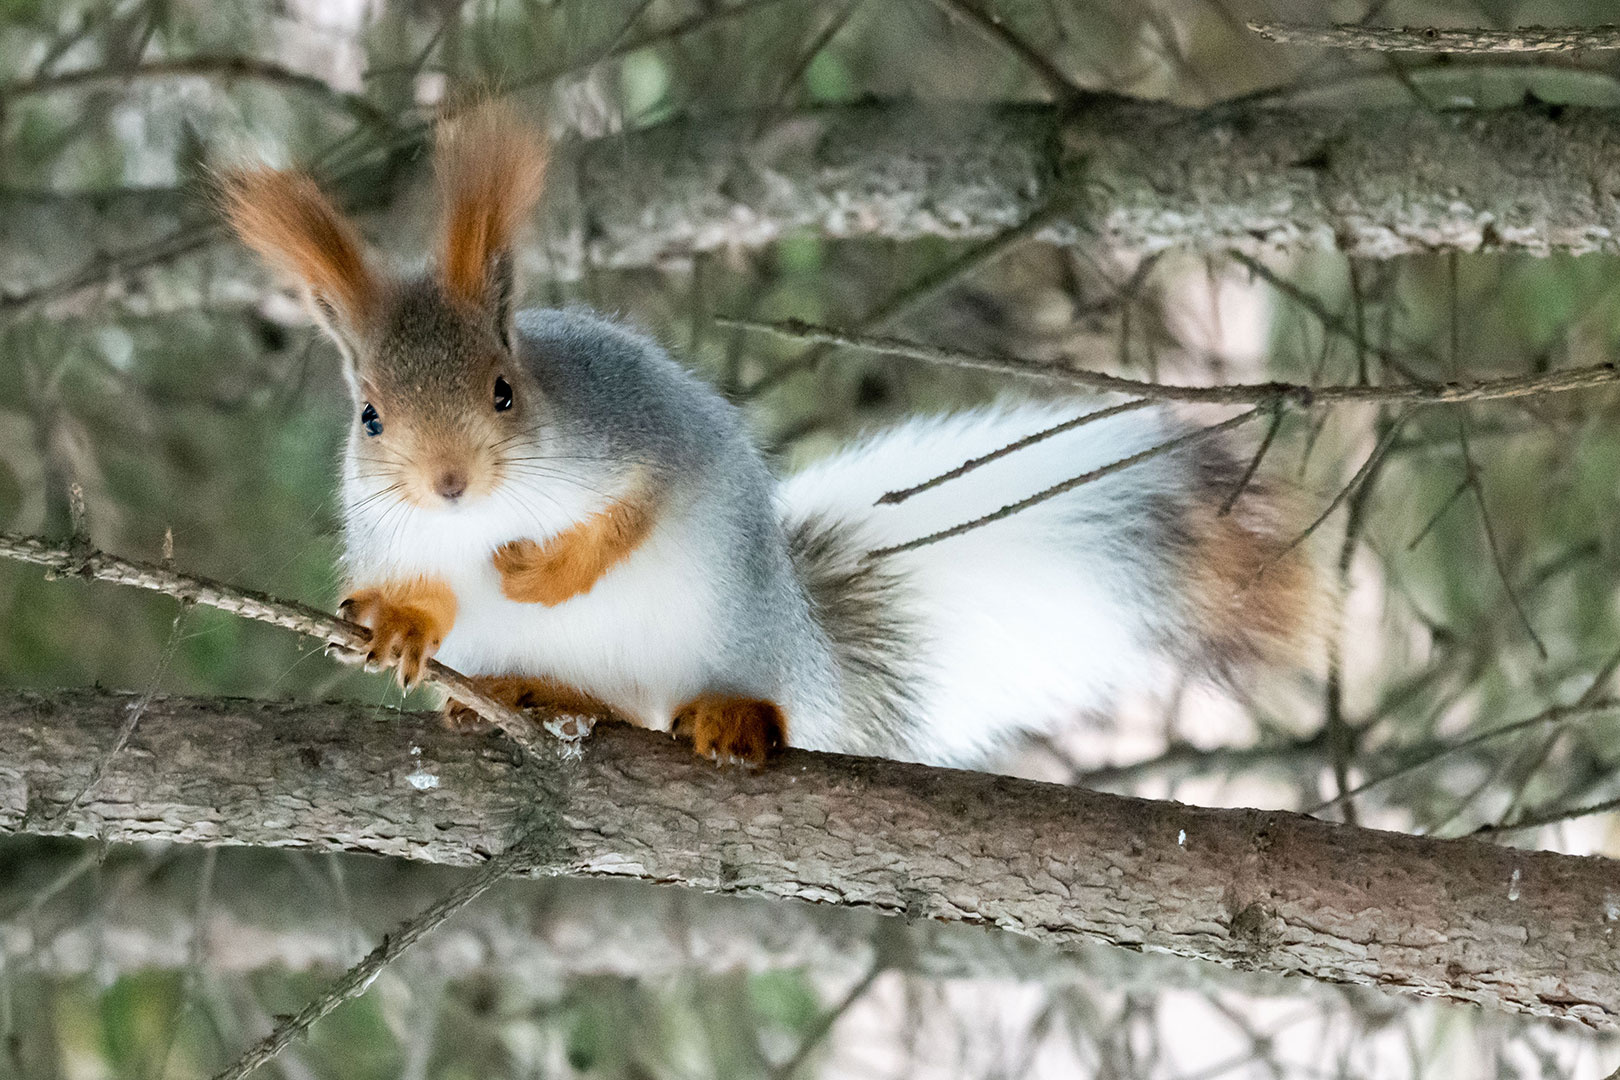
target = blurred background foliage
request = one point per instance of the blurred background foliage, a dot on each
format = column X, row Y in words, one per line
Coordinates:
column 1479, row 588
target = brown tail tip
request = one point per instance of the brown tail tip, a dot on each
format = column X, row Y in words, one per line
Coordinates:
column 1255, row 593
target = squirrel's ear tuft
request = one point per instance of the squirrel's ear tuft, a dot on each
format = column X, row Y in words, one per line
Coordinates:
column 491, row 168
column 284, row 217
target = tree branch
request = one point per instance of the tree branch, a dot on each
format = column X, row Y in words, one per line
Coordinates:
column 226, row 67
column 78, row 560
column 1297, row 394
column 1150, row 176
column 1525, row 39
column 56, row 919
column 1265, row 890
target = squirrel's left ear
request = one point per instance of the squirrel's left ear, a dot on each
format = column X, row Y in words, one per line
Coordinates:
column 491, row 168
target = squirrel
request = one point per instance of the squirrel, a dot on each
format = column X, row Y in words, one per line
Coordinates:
column 548, row 502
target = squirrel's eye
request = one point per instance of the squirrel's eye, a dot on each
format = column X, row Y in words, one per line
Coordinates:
column 370, row 421
column 503, row 394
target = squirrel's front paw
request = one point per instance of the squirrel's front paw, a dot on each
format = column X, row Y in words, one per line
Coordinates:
column 404, row 636
column 732, row 730
column 532, row 574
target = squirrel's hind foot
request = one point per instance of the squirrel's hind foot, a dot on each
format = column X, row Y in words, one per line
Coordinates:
column 732, row 730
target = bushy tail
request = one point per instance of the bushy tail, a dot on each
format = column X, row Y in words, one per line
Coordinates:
column 950, row 650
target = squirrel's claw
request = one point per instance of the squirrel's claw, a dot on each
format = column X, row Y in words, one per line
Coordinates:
column 344, row 654
column 403, row 637
column 732, row 731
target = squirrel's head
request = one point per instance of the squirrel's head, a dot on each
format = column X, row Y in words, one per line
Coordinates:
column 442, row 410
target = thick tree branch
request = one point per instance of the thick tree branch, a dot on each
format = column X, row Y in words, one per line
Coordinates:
column 1526, row 931
column 1148, row 176
column 1525, row 39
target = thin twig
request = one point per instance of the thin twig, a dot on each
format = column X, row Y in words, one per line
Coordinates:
column 1471, row 473
column 1368, row 468
column 1558, row 714
column 1525, row 39
column 1491, row 542
column 134, row 712
column 358, row 979
column 1331, row 322
column 1067, row 485
column 801, row 65
column 1296, row 394
column 1428, row 526
column 994, row 27
column 1548, row 817
column 824, row 1023
column 968, row 466
column 221, row 67
column 290, row 615
column 1342, row 737
column 1254, row 462
column 918, row 293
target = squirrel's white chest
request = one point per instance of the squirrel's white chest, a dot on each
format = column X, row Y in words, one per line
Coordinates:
column 641, row 639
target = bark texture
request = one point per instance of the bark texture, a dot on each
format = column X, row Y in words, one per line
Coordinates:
column 1467, row 40
column 1145, row 177
column 1532, row 932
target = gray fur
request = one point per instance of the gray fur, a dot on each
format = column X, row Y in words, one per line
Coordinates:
column 616, row 393
column 860, row 606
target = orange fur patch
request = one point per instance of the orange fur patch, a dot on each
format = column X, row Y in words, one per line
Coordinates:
column 491, row 168
column 525, row 692
column 572, row 562
column 407, row 620
column 284, row 217
column 732, row 728
column 1253, row 600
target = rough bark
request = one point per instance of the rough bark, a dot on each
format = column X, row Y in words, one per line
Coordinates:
column 1526, row 931
column 1147, row 177
column 1446, row 39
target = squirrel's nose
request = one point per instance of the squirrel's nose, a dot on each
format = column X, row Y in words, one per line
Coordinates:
column 451, row 484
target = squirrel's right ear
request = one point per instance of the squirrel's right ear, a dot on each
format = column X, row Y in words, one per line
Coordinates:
column 492, row 168
column 284, row 217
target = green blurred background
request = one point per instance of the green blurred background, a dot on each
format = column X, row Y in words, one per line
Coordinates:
column 215, row 413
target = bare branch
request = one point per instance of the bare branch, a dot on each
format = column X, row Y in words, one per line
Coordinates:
column 1254, row 462
column 1238, row 177
column 218, row 67
column 1296, row 394
column 1358, row 482
column 913, row 296
column 1525, row 39
column 1554, row 716
column 358, row 979
column 1537, row 819
column 900, row 496
column 73, row 561
column 996, row 29
column 1270, row 891
column 1066, row 486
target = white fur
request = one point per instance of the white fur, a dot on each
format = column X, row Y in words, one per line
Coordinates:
column 1028, row 619
column 638, row 640
column 1023, row 621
